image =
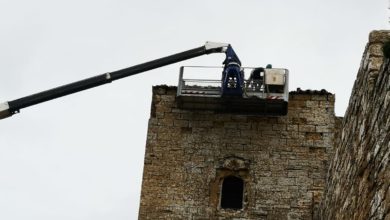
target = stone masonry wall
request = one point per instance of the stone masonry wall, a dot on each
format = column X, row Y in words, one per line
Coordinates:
column 282, row 160
column 359, row 176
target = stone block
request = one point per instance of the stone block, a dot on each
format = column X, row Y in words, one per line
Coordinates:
column 379, row 36
column 306, row 128
column 180, row 123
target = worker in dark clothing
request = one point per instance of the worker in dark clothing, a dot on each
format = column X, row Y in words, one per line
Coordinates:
column 256, row 79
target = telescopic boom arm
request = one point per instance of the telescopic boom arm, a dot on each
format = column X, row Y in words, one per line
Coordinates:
column 7, row 109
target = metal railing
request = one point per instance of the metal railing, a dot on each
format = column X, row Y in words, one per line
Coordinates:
column 212, row 88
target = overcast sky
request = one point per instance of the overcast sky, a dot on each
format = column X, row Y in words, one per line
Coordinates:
column 81, row 156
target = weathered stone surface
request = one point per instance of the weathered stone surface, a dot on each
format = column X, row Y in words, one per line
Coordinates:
column 379, row 36
column 359, row 176
column 282, row 160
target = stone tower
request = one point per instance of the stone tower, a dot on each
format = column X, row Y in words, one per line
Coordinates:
column 358, row 184
column 205, row 165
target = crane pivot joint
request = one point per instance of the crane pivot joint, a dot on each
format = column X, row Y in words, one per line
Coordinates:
column 215, row 46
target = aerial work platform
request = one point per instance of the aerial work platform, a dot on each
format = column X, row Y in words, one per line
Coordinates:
column 264, row 92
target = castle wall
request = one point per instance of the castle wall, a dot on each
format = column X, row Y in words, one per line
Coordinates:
column 359, row 176
column 282, row 160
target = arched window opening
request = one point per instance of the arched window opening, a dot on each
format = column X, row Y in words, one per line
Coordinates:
column 232, row 193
